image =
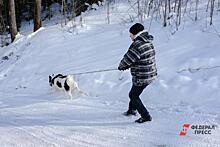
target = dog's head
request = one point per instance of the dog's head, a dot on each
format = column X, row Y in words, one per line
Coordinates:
column 50, row 79
column 53, row 77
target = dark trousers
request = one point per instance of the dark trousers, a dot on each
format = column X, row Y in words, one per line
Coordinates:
column 135, row 101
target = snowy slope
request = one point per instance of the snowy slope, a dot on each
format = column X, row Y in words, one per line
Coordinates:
column 34, row 115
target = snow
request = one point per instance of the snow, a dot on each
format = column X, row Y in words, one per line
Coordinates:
column 32, row 114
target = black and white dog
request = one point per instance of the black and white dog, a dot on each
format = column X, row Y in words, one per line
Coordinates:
column 64, row 82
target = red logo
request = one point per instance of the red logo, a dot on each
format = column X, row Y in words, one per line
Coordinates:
column 184, row 130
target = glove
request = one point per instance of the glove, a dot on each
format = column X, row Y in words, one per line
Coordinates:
column 121, row 68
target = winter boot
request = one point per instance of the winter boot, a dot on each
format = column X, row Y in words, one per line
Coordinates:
column 130, row 112
column 142, row 120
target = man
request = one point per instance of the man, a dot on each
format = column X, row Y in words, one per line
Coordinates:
column 140, row 57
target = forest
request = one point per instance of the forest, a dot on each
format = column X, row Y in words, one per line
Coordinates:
column 13, row 12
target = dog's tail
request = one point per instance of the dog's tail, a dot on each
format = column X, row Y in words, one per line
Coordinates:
column 83, row 93
column 70, row 80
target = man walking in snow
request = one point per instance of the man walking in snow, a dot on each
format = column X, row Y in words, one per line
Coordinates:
column 140, row 57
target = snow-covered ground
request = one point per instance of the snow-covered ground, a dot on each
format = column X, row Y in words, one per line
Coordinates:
column 186, row 90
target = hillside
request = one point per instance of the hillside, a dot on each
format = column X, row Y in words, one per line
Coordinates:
column 186, row 90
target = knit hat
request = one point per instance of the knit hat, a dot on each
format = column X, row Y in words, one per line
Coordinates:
column 136, row 28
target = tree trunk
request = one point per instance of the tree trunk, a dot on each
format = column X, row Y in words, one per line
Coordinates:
column 1, row 6
column 37, row 15
column 149, row 7
column 218, row 3
column 63, row 13
column 175, row 5
column 1, row 18
column 108, row 12
column 12, row 20
column 139, row 10
column 179, row 11
column 74, row 10
column 165, row 14
column 169, row 4
column 197, row 3
column 212, row 10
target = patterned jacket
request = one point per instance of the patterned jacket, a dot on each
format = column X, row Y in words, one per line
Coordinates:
column 140, row 57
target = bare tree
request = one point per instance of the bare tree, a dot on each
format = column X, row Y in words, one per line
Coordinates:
column 179, row 12
column 140, row 13
column 175, row 5
column 108, row 11
column 165, row 14
column 74, row 10
column 63, row 14
column 212, row 10
column 12, row 20
column 186, row 4
column 219, row 4
column 150, row 5
column 1, row 6
column 196, row 16
column 37, row 15
column 145, row 6
column 207, row 8
column 169, row 4
column 2, row 26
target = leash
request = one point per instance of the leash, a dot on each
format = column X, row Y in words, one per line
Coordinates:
column 95, row 71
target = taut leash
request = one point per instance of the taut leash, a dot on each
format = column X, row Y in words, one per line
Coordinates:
column 95, row 71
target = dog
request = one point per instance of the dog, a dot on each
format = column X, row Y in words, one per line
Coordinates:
column 64, row 82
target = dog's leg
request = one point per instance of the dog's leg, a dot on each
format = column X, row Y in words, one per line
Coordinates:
column 80, row 91
column 50, row 91
column 70, row 94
